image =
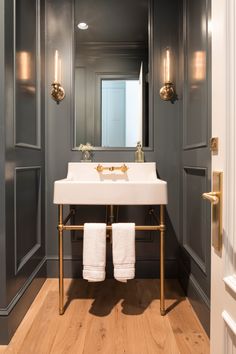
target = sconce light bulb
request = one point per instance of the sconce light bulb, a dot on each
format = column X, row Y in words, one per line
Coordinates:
column 168, row 65
column 82, row 25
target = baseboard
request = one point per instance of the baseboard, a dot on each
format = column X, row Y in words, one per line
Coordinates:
column 16, row 312
column 196, row 296
column 144, row 268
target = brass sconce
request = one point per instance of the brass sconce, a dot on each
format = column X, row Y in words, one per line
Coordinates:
column 167, row 92
column 58, row 92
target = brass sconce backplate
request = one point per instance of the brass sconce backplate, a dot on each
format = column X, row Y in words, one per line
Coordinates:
column 58, row 92
column 167, row 92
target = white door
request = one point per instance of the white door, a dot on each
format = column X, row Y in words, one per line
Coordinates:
column 223, row 263
column 113, row 113
column 140, row 108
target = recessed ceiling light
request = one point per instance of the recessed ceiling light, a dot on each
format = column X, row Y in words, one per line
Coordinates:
column 82, row 25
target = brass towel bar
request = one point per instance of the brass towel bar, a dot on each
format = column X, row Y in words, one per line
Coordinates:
column 109, row 227
column 122, row 168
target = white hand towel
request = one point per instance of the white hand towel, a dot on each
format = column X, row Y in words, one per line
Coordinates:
column 94, row 251
column 123, row 248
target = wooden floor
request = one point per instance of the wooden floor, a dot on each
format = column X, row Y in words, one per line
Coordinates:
column 109, row 318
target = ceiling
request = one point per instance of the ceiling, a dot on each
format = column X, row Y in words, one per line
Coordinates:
column 112, row 20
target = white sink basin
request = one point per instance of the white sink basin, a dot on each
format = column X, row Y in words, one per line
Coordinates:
column 139, row 185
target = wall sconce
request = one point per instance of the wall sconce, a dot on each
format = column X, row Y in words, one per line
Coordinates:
column 58, row 92
column 167, row 92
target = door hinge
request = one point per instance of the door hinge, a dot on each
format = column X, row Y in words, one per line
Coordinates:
column 214, row 145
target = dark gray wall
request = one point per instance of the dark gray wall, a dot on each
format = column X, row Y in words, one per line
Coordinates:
column 196, row 157
column 22, row 222
column 168, row 116
column 59, row 142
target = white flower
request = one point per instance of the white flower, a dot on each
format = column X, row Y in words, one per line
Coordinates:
column 87, row 147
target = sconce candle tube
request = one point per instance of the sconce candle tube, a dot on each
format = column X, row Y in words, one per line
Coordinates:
column 56, row 66
column 167, row 66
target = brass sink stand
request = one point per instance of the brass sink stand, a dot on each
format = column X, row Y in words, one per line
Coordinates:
column 63, row 227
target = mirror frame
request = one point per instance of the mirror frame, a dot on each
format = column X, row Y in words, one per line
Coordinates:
column 150, row 94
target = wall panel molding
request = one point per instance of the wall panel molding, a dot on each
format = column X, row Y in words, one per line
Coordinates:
column 196, row 296
column 6, row 311
column 197, row 259
column 229, row 322
column 230, row 281
column 188, row 206
column 196, row 77
column 19, row 263
column 229, row 333
column 28, row 86
column 12, row 318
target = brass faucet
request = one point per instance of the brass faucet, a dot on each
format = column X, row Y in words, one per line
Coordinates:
column 122, row 168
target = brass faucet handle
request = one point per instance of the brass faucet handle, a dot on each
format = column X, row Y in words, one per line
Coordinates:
column 99, row 168
column 213, row 197
column 122, row 168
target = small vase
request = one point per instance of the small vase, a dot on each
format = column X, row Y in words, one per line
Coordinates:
column 86, row 156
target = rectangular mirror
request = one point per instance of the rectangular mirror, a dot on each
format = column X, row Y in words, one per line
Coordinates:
column 113, row 73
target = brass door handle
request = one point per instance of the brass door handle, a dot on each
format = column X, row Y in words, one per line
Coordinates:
column 216, row 200
column 213, row 197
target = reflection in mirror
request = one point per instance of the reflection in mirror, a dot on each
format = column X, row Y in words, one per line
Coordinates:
column 120, row 113
column 111, row 72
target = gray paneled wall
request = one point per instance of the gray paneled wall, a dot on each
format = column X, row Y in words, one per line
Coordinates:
column 196, row 158
column 167, row 116
column 60, row 141
column 27, row 220
column 22, row 161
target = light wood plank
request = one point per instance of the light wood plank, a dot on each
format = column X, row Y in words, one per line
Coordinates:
column 26, row 324
column 109, row 318
column 189, row 335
